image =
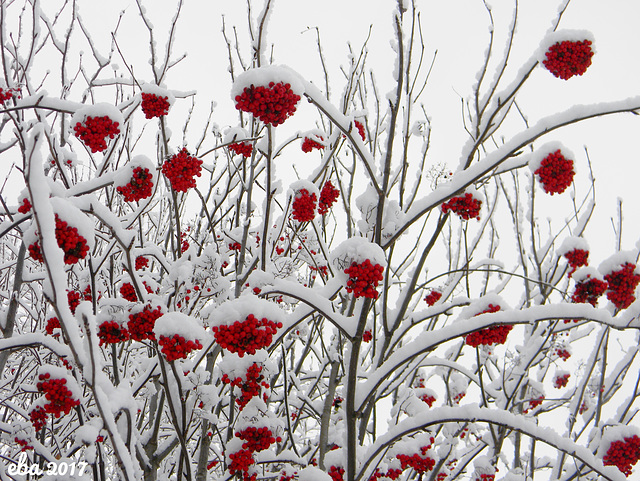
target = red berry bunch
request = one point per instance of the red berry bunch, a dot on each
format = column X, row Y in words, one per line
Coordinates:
column 6, row 94
column 38, row 417
column 364, row 278
column 428, row 399
column 486, row 477
column 432, row 297
column 533, row 403
column 555, row 173
column 417, row 462
column 128, row 292
column 304, row 206
column 563, row 354
column 577, row 258
column 272, row 104
column 73, row 244
column 241, row 148
column 336, row 473
column 588, row 291
column 59, row 397
column 257, row 439
column 74, row 298
column 110, row 332
column 139, row 187
column 466, row 207
column 246, row 337
column 623, row 454
column 250, row 387
column 393, row 473
column 240, row 463
column 52, row 323
column 566, row 59
column 177, row 347
column 94, row 131
column 328, row 195
column 367, row 336
column 141, row 324
column 181, row 169
column 154, row 106
column 22, row 442
column 360, row 128
column 622, row 285
column 141, row 262
column 25, row 206
column 561, row 381
column 309, row 144
column 490, row 335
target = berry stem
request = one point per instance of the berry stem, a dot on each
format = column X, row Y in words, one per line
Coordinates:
column 269, row 199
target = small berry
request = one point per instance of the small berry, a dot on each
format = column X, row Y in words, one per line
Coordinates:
column 364, row 278
column 309, row 144
column 139, row 187
column 304, row 206
column 94, row 131
column 466, row 207
column 566, row 59
column 490, row 335
column 272, row 104
column 241, row 148
column 181, row 169
column 328, row 195
column 154, row 106
column 555, row 173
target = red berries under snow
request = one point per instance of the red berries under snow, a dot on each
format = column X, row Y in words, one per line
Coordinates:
column 141, row 324
column 364, row 278
column 304, row 206
column 257, row 439
column 561, row 381
column 489, row 335
column 154, row 105
column 566, row 59
column 139, row 187
column 555, row 173
column 177, row 347
column 623, row 454
column 309, row 144
column 418, row 463
column 588, row 291
column 328, row 195
column 60, row 399
column 94, row 131
column 432, row 297
column 110, row 332
column 181, row 169
column 246, row 337
column 241, row 148
column 622, row 285
column 466, row 207
column 250, row 386
column 577, row 258
column 272, row 104
column 75, row 246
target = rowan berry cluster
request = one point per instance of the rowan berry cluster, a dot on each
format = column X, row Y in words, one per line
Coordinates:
column 622, row 285
column 428, row 399
column 304, row 206
column 364, row 278
column 566, row 59
column 466, row 207
column 336, row 473
column 561, row 381
column 141, row 324
column 367, row 336
column 249, row 387
column 6, row 94
column 588, row 291
column 181, row 169
column 490, row 335
column 52, row 323
column 432, row 297
column 241, row 148
column 555, row 173
column 577, row 258
column 128, row 292
column 246, row 337
column 59, row 397
column 533, row 403
column 417, row 462
column 24, row 443
column 154, row 106
column 139, row 187
column 309, row 144
column 25, row 206
column 623, row 454
column 328, row 195
column 73, row 244
column 74, row 298
column 486, row 477
column 94, row 131
column 563, row 354
column 257, row 439
column 360, row 128
column 240, row 463
column 110, row 332
column 272, row 104
column 38, row 417
column 177, row 347
column 141, row 262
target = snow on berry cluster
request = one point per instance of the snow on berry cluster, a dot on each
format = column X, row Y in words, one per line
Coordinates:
column 23, row 443
column 622, row 283
column 490, row 335
column 622, row 445
column 433, row 297
column 141, row 323
column 328, row 195
column 52, row 324
column 272, row 104
column 360, row 128
column 139, row 187
column 6, row 94
column 246, row 337
column 154, row 105
column 466, row 207
column 561, row 379
column 420, row 463
column 577, row 258
column 249, row 386
column 38, row 417
column 257, row 438
column 25, row 206
column 304, row 206
column 177, row 347
column 555, row 173
column 181, row 169
column 178, row 335
column 241, row 148
column 128, row 292
column 74, row 298
column 309, row 144
column 60, row 399
column 589, row 287
column 94, row 132
column 111, row 332
column 568, row 58
column 364, row 278
column 141, row 262
column 75, row 246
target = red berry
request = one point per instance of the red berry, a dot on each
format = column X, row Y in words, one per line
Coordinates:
column 141, row 324
column 466, row 207
column 623, row 454
column 555, row 173
column 25, row 206
column 181, row 169
column 141, row 262
column 241, row 148
column 432, row 297
column 364, row 278
column 328, row 195
column 622, row 285
column 94, row 131
column 490, row 335
column 75, row 246
column 246, row 337
column 128, row 292
column 577, row 258
column 272, row 104
column 177, row 347
column 154, row 106
column 566, row 59
column 360, row 128
column 110, row 332
column 309, row 144
column 304, row 206
column 139, row 187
